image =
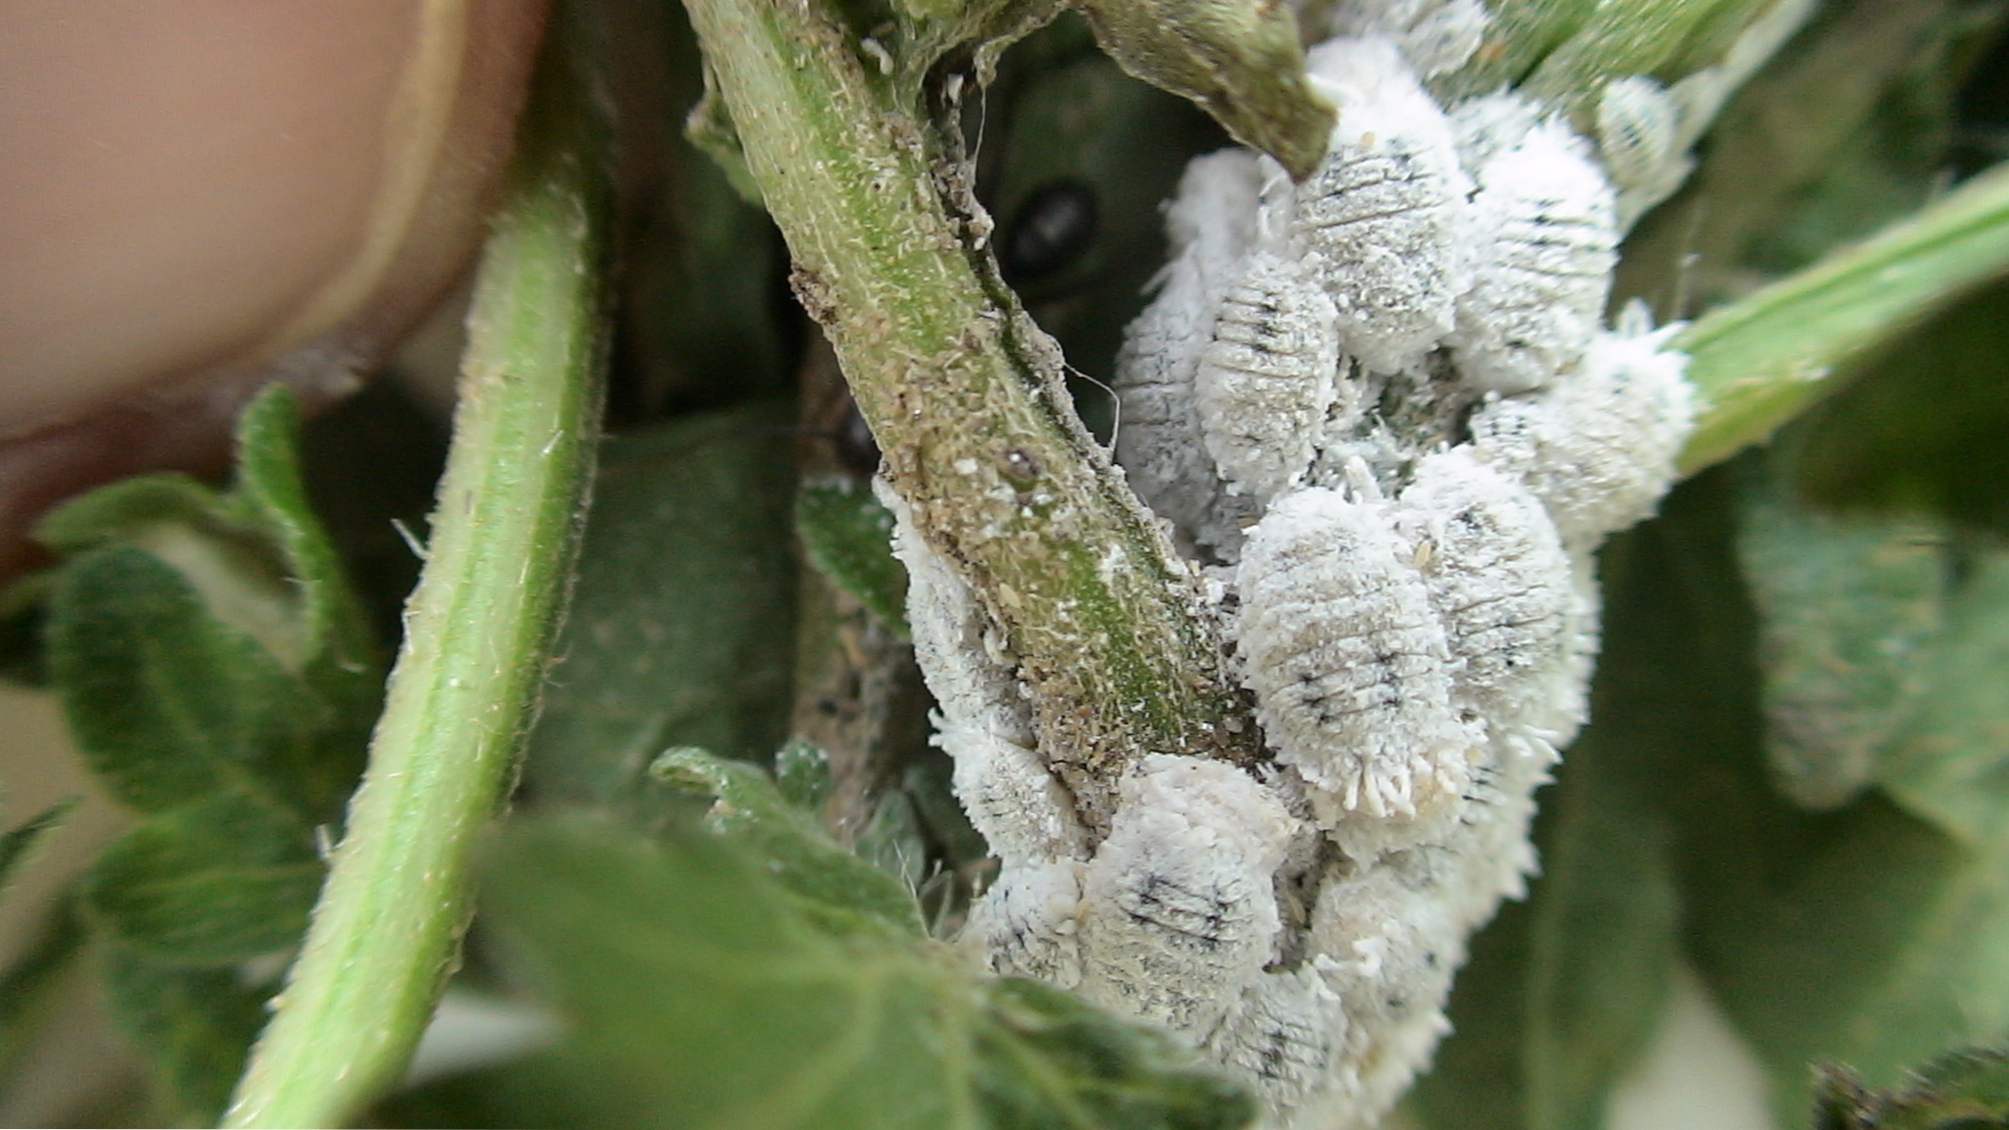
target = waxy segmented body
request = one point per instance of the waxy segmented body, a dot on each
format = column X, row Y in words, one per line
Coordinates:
column 1497, row 578
column 1639, row 135
column 1544, row 242
column 1027, row 923
column 1268, row 377
column 1178, row 905
column 1285, row 1033
column 1597, row 449
column 1382, row 212
column 1349, row 664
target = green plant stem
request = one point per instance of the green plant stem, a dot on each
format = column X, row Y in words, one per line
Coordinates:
column 478, row 631
column 1759, row 362
column 966, row 398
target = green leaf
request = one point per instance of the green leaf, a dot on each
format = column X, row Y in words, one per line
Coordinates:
column 703, row 998
column 215, row 882
column 17, row 844
column 1864, row 936
column 841, row 890
column 1849, row 612
column 680, row 625
column 1950, row 764
column 192, row 1026
column 169, row 704
column 1965, row 1090
column 847, row 535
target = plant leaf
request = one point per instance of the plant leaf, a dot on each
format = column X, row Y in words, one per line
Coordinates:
column 1864, row 936
column 840, row 889
column 1965, row 1090
column 194, row 1027
column 703, row 998
column 169, row 704
column 848, row 535
column 679, row 629
column 802, row 773
column 214, row 882
column 1849, row 611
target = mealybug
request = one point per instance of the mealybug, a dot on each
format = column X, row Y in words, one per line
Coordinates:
column 1598, row 449
column 1267, row 378
column 1025, row 925
column 1285, row 1034
column 1178, row 908
column 1348, row 662
column 1544, row 243
column 1497, row 577
column 1012, row 798
column 1639, row 136
column 1381, row 212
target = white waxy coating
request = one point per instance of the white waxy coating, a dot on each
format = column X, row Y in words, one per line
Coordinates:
column 1285, row 1035
column 1639, row 136
column 1436, row 36
column 1349, row 664
column 1178, row 909
column 1597, row 449
column 1497, row 577
column 1211, row 224
column 1026, row 925
column 984, row 723
column 1544, row 243
column 1381, row 212
column 1269, row 375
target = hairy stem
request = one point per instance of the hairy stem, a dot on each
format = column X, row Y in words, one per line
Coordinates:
column 478, row 631
column 966, row 399
column 1763, row 360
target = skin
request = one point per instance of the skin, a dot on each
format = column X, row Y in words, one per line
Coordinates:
column 204, row 196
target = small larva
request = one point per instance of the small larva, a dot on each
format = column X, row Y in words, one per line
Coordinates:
column 1284, row 1034
column 1381, row 211
column 1025, row 925
column 1178, row 907
column 1598, row 449
column 1545, row 243
column 1639, row 134
column 1497, row 577
column 1349, row 664
column 1266, row 380
column 1436, row 36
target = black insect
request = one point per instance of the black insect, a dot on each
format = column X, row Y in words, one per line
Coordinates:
column 1054, row 227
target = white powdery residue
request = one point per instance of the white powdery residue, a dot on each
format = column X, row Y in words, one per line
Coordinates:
column 1639, row 135
column 1498, row 579
column 1267, row 379
column 1349, row 664
column 1027, row 924
column 1599, row 448
column 1394, row 943
column 1436, row 36
column 1178, row 911
column 1285, row 1034
column 1381, row 212
column 1023, row 812
column 1543, row 237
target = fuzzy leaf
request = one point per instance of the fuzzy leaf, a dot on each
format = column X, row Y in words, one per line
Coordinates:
column 841, row 890
column 214, row 882
column 679, row 629
column 802, row 773
column 1967, row 1090
column 1849, row 610
column 702, row 998
column 169, row 704
column 847, row 535
column 1865, row 936
column 193, row 1027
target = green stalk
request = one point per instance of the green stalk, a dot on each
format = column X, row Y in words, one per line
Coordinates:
column 478, row 632
column 966, row 398
column 1764, row 359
